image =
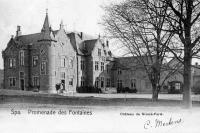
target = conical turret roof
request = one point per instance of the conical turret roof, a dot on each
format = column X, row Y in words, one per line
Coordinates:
column 46, row 32
column 46, row 27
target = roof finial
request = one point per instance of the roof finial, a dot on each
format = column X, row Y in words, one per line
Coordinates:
column 46, row 11
column 47, row 6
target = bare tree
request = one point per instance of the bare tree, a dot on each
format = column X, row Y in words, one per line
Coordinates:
column 183, row 20
column 138, row 25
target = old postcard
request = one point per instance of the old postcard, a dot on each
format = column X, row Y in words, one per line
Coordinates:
column 99, row 66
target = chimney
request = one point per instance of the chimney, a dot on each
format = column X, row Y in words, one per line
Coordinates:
column 107, row 43
column 81, row 35
column 18, row 32
column 61, row 25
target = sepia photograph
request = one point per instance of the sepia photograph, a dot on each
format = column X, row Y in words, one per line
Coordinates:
column 100, row 66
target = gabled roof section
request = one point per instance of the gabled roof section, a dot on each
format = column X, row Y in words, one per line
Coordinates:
column 55, row 32
column 72, row 40
column 83, row 44
column 88, row 46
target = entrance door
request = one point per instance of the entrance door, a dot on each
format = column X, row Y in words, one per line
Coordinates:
column 21, row 80
column 22, row 84
column 63, row 82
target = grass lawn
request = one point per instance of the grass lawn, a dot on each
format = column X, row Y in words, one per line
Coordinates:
column 119, row 113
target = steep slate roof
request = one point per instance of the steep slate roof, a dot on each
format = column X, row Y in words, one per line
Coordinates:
column 75, row 40
column 90, row 44
column 128, row 62
column 27, row 39
column 83, row 45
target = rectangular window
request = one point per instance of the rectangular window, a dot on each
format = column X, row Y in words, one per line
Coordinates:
column 102, row 81
column 21, row 57
column 21, row 75
column 43, row 67
column 97, row 82
column 119, row 83
column 71, row 81
column 119, row 71
column 82, row 65
column 62, row 75
column 71, row 63
column 133, row 83
column 105, row 52
column 107, row 68
column 99, row 52
column 177, row 86
column 12, row 82
column 108, row 84
column 36, row 81
column 12, row 62
column 82, row 81
column 34, row 60
column 96, row 65
column 102, row 66
column 63, row 62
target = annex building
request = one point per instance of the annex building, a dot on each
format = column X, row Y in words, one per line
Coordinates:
column 75, row 59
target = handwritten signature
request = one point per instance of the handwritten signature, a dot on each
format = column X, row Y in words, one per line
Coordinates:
column 160, row 123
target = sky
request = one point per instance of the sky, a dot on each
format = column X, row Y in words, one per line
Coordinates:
column 78, row 15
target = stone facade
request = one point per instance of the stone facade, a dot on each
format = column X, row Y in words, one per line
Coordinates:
column 128, row 72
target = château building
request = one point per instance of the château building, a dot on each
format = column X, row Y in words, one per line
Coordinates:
column 75, row 59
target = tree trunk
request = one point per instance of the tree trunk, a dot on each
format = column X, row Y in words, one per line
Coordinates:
column 187, row 102
column 154, row 93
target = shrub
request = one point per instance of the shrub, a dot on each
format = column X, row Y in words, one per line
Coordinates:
column 88, row 89
column 120, row 90
column 126, row 90
column 133, row 91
